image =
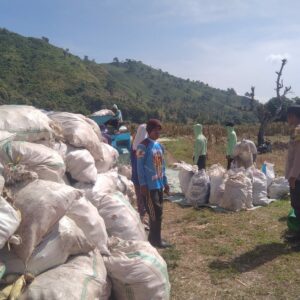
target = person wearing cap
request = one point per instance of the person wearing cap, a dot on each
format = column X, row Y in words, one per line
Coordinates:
column 292, row 170
column 231, row 142
column 117, row 118
column 200, row 148
column 140, row 136
column 153, row 181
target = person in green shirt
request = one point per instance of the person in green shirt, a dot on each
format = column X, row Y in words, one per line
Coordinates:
column 200, row 149
column 231, row 142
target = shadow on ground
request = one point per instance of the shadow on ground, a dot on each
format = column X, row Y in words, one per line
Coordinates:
column 256, row 257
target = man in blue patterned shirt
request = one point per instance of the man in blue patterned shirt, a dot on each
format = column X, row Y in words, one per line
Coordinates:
column 153, row 180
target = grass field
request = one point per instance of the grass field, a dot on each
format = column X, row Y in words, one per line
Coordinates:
column 230, row 255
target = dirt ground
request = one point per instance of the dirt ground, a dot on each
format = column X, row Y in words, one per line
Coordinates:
column 231, row 255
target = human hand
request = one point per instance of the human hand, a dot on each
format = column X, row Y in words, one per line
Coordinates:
column 292, row 182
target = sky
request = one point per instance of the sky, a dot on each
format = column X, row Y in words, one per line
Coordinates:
column 225, row 43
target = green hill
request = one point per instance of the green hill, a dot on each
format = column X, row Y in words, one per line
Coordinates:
column 34, row 72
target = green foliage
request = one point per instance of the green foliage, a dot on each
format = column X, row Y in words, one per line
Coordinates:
column 34, row 72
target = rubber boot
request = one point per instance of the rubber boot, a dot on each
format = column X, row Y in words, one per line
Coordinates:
column 155, row 235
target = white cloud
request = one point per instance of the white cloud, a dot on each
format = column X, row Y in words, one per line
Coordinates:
column 277, row 57
column 209, row 11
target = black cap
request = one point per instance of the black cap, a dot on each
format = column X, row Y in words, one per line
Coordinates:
column 229, row 124
column 294, row 109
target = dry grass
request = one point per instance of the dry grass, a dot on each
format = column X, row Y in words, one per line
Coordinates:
column 230, row 255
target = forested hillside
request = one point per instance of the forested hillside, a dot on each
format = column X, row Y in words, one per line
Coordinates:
column 34, row 72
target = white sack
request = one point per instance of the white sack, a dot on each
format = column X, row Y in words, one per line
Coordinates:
column 125, row 170
column 42, row 204
column 46, row 162
column 28, row 123
column 121, row 219
column 61, row 148
column 238, row 192
column 95, row 127
column 86, row 217
column 65, row 239
column 198, row 190
column 110, row 158
column 9, row 221
column 217, row 175
column 137, row 269
column 260, row 189
column 6, row 136
column 82, row 277
column 269, row 172
column 81, row 165
column 185, row 175
column 279, row 188
column 78, row 132
column 2, row 182
column 103, row 112
column 107, row 183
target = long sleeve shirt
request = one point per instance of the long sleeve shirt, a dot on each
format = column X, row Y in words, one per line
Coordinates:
column 231, row 142
column 292, row 169
column 133, row 159
column 151, row 165
column 200, row 147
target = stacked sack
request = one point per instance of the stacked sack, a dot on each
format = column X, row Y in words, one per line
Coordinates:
column 62, row 207
column 234, row 190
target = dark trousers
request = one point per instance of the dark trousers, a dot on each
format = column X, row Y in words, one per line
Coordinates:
column 140, row 201
column 229, row 162
column 295, row 199
column 201, row 162
column 154, row 208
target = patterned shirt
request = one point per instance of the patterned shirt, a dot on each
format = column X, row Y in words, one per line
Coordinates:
column 151, row 165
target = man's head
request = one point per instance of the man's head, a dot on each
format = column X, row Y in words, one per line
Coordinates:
column 153, row 128
column 229, row 124
column 293, row 115
column 115, row 108
column 198, row 129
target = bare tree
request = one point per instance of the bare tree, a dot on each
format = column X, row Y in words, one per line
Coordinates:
column 263, row 112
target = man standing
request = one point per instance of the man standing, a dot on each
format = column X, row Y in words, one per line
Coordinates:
column 292, row 172
column 153, row 180
column 231, row 142
column 200, row 149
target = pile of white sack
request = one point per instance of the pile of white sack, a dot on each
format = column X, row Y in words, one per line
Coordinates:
column 234, row 190
column 68, row 229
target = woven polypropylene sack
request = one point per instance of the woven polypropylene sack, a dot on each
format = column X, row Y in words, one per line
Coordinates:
column 238, row 192
column 121, row 219
column 27, row 122
column 185, row 175
column 106, row 183
column 42, row 204
column 9, row 221
column 260, row 188
column 137, row 271
column 46, row 162
column 81, row 165
column 78, row 132
column 198, row 190
column 217, row 175
column 64, row 240
column 86, row 217
column 83, row 277
column 279, row 188
column 110, row 158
